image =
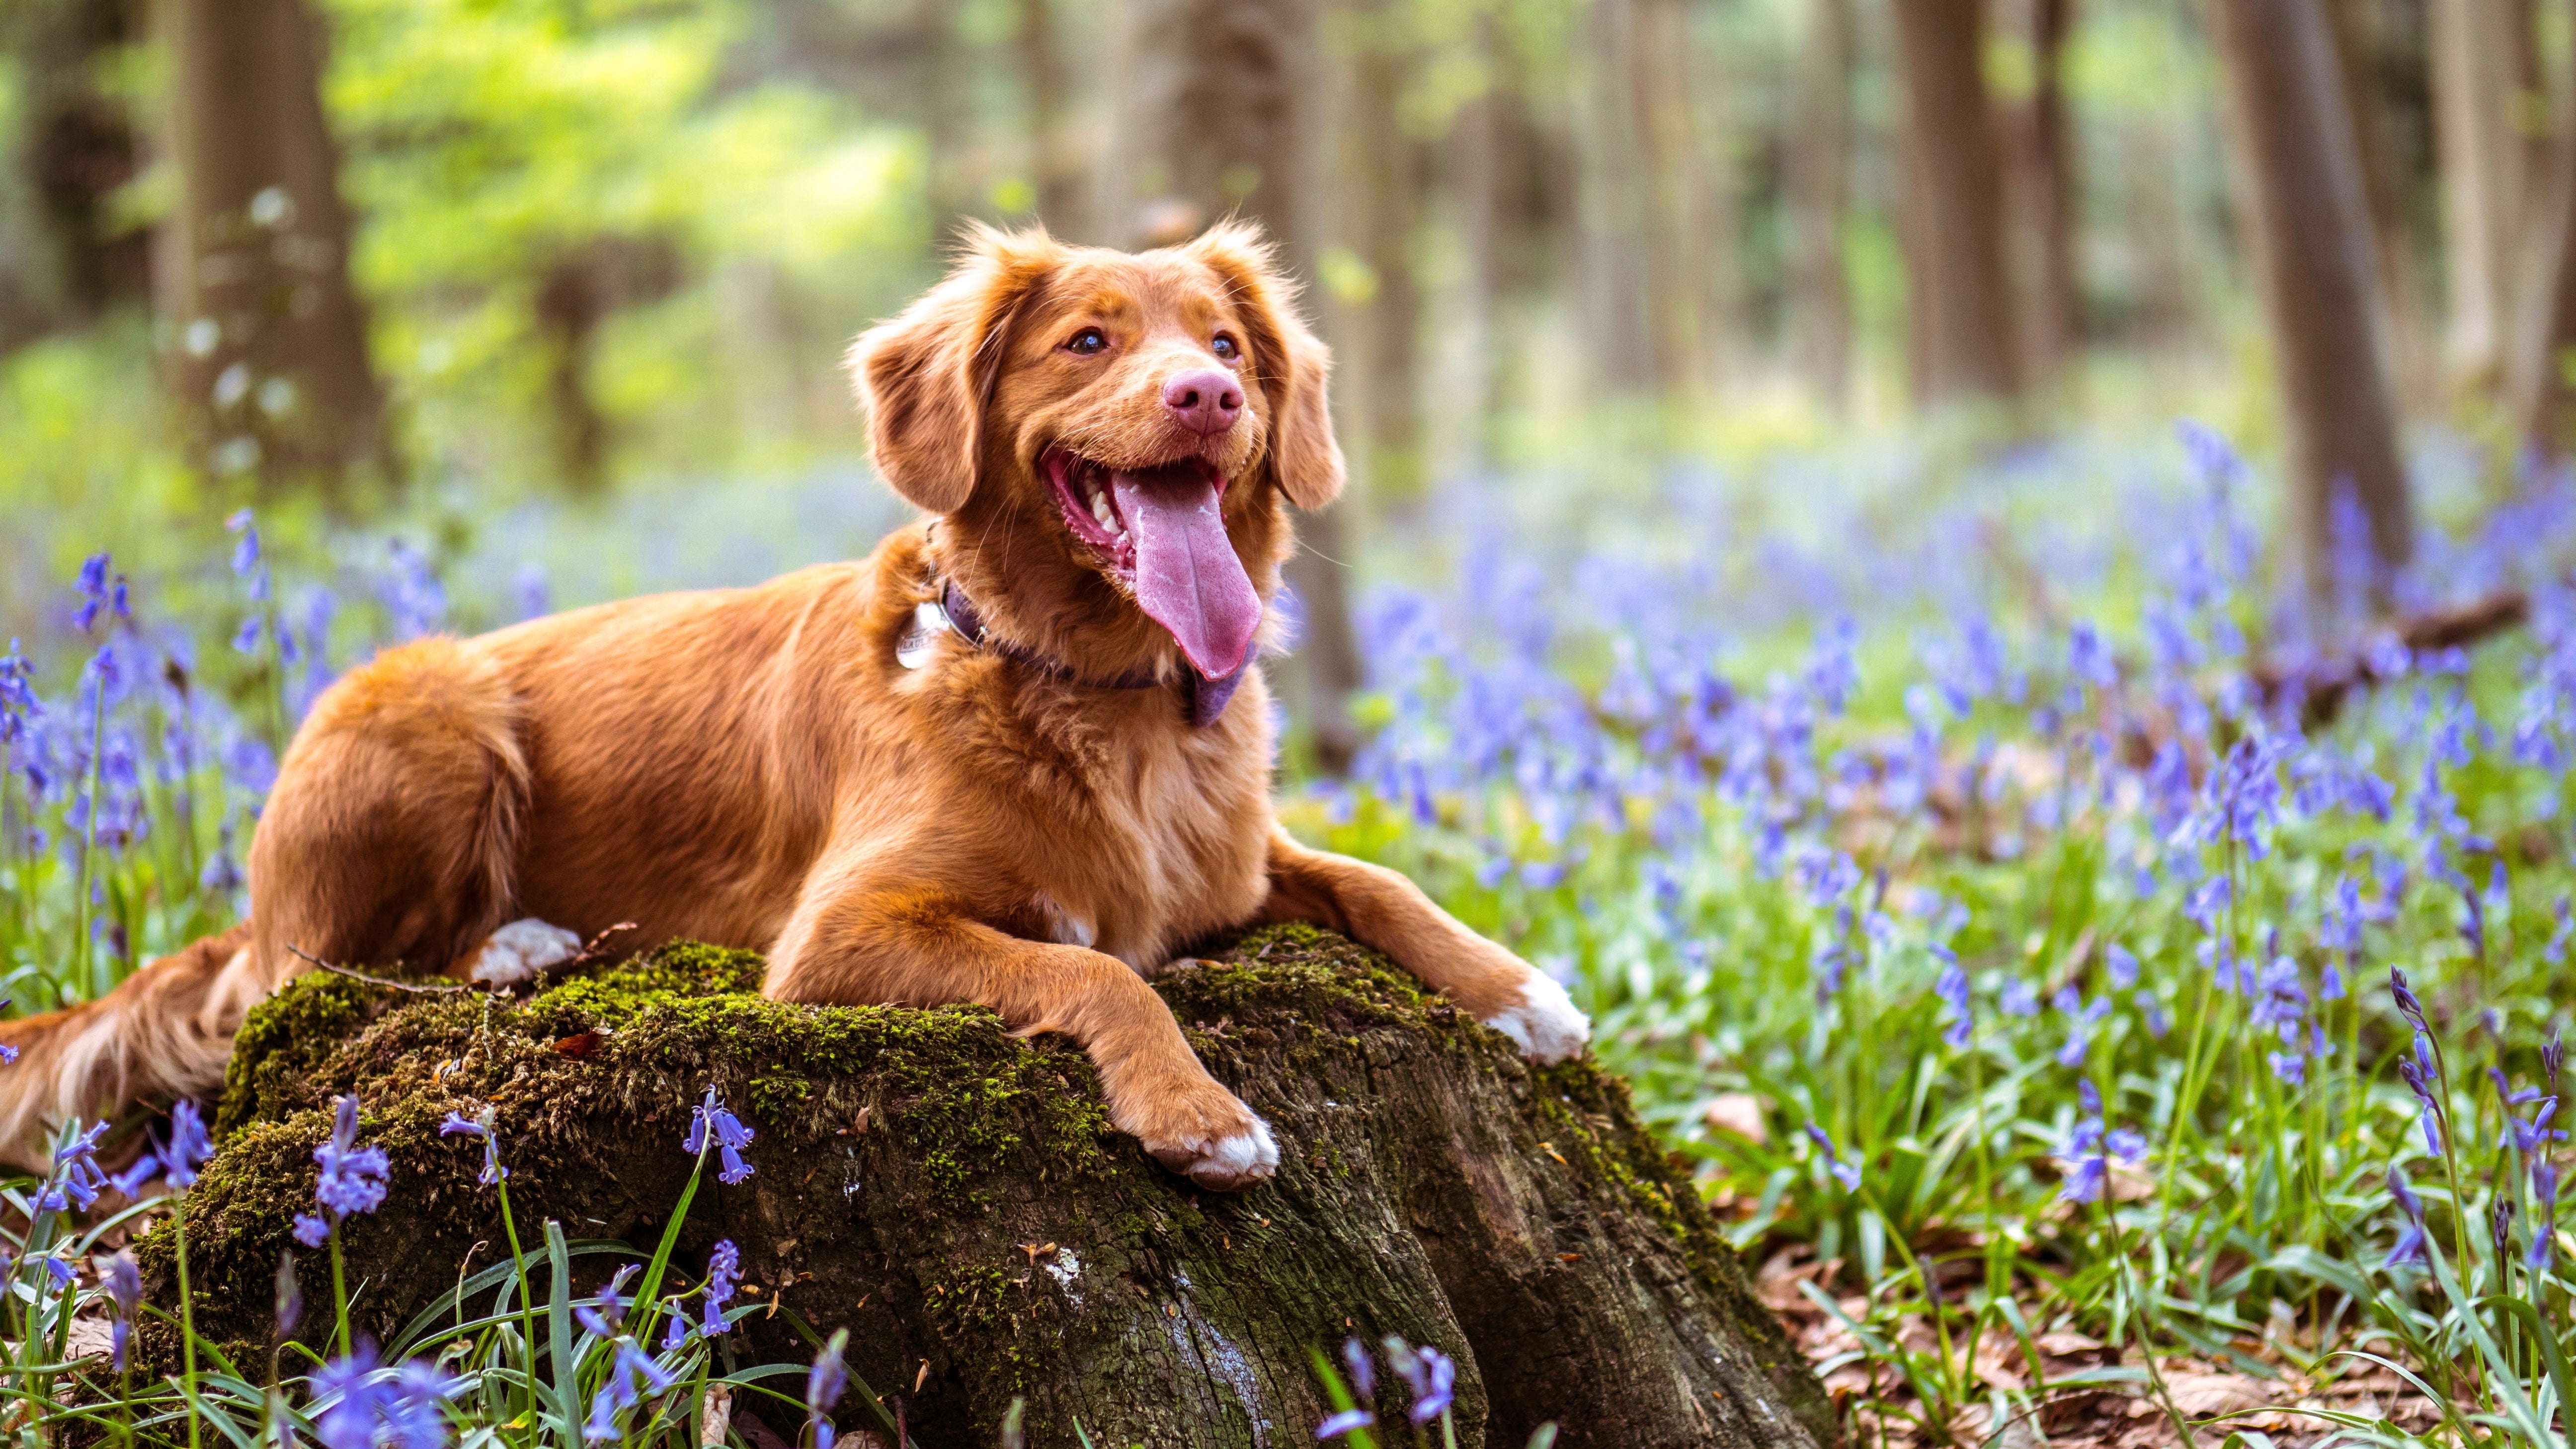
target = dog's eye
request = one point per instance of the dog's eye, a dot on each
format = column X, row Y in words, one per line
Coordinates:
column 1087, row 341
column 1224, row 348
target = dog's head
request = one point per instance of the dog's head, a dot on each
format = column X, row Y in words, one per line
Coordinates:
column 1111, row 432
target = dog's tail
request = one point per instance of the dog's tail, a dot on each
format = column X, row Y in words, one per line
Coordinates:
column 165, row 1032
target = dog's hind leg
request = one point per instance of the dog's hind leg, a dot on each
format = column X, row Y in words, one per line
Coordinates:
column 164, row 1032
column 394, row 830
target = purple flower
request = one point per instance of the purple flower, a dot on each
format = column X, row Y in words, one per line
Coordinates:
column 2408, row 1005
column 1952, row 988
column 2544, row 1210
column 188, row 1147
column 416, row 1415
column 2121, row 967
column 312, row 1230
column 1344, row 1422
column 2500, row 1225
column 123, row 1281
column 2553, row 1057
column 457, row 1122
column 1430, row 1375
column 353, row 1178
column 1355, row 1357
column 2410, row 1235
column 2018, row 999
column 361, row 1400
column 724, row 1266
column 77, row 1178
column 1846, row 1173
column 710, row 1118
column 824, row 1385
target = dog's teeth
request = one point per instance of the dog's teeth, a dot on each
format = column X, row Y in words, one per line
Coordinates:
column 1100, row 510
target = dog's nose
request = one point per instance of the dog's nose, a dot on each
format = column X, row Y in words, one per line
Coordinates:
column 1205, row 401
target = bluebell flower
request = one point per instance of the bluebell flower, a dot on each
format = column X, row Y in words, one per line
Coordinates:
column 123, row 1280
column 2121, row 967
column 2017, row 998
column 2500, row 1225
column 728, row 1133
column 824, row 1385
column 188, row 1147
column 675, row 1332
column 2544, row 1212
column 724, row 1267
column 2079, row 1033
column 1952, row 988
column 1430, row 1375
column 480, row 1126
column 2553, row 1056
column 1846, row 1173
column 2408, row 1005
column 600, row 1318
column 92, row 587
column 77, row 1178
column 2207, row 900
column 353, row 1178
column 1363, row 1368
column 312, row 1230
column 415, row 1411
column 2154, row 1012
column 1344, row 1422
column 361, row 1399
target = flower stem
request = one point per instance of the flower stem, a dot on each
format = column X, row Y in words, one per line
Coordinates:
column 339, row 1291
column 527, row 1305
column 187, row 1304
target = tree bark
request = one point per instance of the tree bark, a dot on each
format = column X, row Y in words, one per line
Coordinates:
column 1382, row 167
column 2362, row 46
column 1959, row 289
column 271, row 359
column 1819, row 189
column 2544, row 395
column 2311, row 233
column 953, row 1196
column 2044, row 192
column 1055, row 162
column 2474, row 90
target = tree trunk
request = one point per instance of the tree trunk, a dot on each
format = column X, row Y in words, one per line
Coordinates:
column 954, row 1196
column 1055, row 162
column 1959, row 290
column 2544, row 394
column 2474, row 88
column 272, row 360
column 65, row 259
column 2044, row 192
column 1210, row 124
column 1382, row 178
column 2363, row 49
column 1819, row 188
column 2311, row 231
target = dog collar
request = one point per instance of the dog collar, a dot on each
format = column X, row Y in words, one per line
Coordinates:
column 953, row 612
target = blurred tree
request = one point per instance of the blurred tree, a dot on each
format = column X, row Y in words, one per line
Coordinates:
column 2044, row 188
column 1959, row 292
column 71, row 256
column 2544, row 379
column 270, row 356
column 1210, row 123
column 1819, row 185
column 1379, row 176
column 2381, row 50
column 2475, row 85
column 1055, row 160
column 2311, row 230
column 1648, row 253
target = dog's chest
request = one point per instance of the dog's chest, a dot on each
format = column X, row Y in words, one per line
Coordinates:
column 1174, row 846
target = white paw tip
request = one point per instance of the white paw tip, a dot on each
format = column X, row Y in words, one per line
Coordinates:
column 1543, row 1023
column 1237, row 1161
column 521, row 949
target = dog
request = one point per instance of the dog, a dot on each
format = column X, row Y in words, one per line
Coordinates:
column 1020, row 755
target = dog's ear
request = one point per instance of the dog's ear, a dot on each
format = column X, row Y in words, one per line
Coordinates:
column 925, row 376
column 1289, row 364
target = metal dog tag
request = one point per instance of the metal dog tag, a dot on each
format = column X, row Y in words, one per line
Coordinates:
column 928, row 622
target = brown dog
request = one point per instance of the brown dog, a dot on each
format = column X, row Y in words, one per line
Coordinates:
column 996, row 761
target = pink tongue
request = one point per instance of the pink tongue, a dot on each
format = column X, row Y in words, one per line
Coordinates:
column 1187, row 577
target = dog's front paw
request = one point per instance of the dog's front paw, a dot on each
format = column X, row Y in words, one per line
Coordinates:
column 1543, row 1022
column 1206, row 1135
column 520, row 950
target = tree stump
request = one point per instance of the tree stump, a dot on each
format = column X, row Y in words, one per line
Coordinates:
column 956, row 1197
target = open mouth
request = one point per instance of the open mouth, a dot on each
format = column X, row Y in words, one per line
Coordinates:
column 1161, row 530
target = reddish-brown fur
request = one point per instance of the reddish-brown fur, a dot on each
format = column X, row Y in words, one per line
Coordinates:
column 754, row 766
